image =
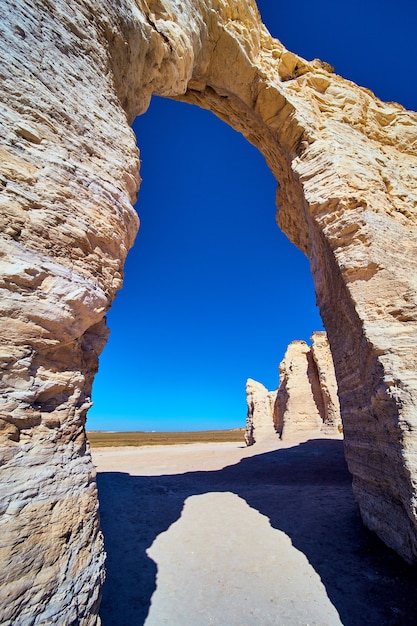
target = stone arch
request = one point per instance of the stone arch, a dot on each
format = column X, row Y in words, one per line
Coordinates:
column 75, row 77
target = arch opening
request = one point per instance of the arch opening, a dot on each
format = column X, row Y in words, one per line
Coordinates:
column 213, row 291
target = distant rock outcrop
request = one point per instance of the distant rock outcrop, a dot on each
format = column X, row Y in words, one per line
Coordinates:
column 299, row 403
column 259, row 423
column 323, row 360
column 307, row 396
column 306, row 400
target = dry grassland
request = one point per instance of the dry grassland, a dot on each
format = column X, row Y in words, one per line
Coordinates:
column 99, row 439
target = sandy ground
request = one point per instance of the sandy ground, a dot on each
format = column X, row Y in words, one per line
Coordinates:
column 224, row 535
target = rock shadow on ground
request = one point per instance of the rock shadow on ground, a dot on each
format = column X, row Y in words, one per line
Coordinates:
column 304, row 491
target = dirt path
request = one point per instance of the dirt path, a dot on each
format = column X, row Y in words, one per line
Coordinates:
column 223, row 535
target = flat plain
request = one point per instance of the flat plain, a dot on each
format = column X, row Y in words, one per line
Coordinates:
column 105, row 439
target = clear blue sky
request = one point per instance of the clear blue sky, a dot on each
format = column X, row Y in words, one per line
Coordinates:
column 213, row 291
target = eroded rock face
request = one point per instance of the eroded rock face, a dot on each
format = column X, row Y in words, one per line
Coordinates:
column 324, row 366
column 299, row 401
column 69, row 174
column 306, row 400
column 74, row 76
column 259, row 420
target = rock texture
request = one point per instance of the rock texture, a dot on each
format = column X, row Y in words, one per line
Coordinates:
column 306, row 400
column 307, row 395
column 74, row 76
column 324, row 366
column 68, row 177
column 299, row 401
column 259, row 420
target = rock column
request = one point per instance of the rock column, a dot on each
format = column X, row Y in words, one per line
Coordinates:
column 259, row 420
column 299, row 402
column 69, row 175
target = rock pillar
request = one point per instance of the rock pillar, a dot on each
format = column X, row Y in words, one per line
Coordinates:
column 306, row 400
column 260, row 416
column 69, row 175
column 299, row 402
column 324, row 366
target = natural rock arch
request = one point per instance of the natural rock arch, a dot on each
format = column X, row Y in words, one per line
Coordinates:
column 75, row 76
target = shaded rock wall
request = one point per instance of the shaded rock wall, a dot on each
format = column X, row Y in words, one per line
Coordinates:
column 74, row 76
column 323, row 361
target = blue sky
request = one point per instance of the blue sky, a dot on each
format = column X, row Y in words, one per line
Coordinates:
column 213, row 291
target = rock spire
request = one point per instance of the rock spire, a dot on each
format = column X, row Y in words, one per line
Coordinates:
column 306, row 400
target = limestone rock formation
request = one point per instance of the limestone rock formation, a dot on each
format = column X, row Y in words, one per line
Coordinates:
column 323, row 361
column 306, row 400
column 259, row 421
column 307, row 395
column 74, row 76
column 299, row 401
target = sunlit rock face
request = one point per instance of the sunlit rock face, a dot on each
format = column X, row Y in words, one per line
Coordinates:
column 74, row 76
column 306, row 401
column 260, row 417
column 299, row 405
column 69, row 174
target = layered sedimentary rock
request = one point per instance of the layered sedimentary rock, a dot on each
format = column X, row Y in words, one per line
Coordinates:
column 306, row 400
column 324, row 366
column 69, row 174
column 74, row 76
column 307, row 395
column 299, row 402
column 259, row 420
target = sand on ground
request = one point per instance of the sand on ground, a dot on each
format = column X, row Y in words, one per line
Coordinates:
column 225, row 535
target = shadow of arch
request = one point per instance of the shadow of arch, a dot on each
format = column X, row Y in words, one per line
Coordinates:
column 304, row 491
